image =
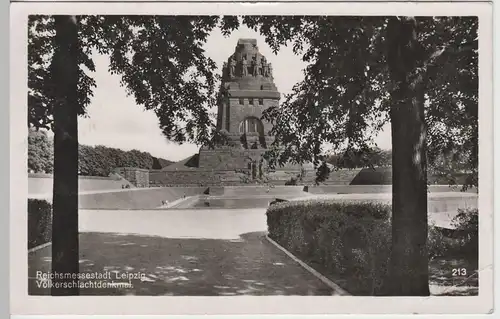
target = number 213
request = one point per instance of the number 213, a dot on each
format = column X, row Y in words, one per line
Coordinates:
column 459, row 272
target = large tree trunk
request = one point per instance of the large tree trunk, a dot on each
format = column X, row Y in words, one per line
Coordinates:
column 65, row 250
column 409, row 273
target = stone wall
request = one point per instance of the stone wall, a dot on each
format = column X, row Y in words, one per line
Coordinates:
column 196, row 177
column 137, row 176
column 208, row 177
column 229, row 167
column 228, row 158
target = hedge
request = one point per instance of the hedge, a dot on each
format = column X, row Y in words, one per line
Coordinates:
column 347, row 242
column 39, row 222
column 336, row 238
column 467, row 232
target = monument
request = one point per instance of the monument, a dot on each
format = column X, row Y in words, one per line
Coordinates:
column 248, row 90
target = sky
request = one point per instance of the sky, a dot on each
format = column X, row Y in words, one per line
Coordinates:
column 115, row 120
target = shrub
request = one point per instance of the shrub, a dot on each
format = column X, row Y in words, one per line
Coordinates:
column 467, row 220
column 438, row 244
column 39, row 222
column 467, row 227
column 351, row 242
column 348, row 240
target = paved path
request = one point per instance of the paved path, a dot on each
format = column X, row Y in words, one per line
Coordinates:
column 184, row 252
column 225, row 224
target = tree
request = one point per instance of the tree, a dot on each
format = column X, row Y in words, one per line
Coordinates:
column 40, row 152
column 162, row 65
column 418, row 73
column 64, row 76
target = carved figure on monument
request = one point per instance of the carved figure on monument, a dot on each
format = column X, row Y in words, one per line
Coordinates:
column 254, row 68
column 262, row 66
column 270, row 69
column 232, row 67
column 265, row 70
column 244, row 65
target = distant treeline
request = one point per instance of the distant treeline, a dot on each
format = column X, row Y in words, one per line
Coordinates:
column 92, row 160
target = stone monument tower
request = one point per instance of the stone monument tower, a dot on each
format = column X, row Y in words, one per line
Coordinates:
column 247, row 79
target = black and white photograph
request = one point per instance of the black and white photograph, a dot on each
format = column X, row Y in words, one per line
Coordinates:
column 240, row 154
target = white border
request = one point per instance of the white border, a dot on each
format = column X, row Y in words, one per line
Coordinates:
column 22, row 304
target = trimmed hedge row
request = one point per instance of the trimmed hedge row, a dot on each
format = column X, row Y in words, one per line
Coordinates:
column 39, row 222
column 348, row 242
column 343, row 240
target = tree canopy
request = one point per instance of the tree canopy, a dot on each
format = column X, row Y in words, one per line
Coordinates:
column 343, row 99
column 345, row 95
column 160, row 59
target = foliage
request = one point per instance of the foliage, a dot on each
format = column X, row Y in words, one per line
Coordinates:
column 345, row 240
column 160, row 59
column 439, row 245
column 39, row 222
column 344, row 98
column 462, row 241
column 92, row 160
column 337, row 102
column 162, row 64
column 40, row 152
column 365, row 158
column 101, row 160
column 351, row 241
column 467, row 222
column 419, row 73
